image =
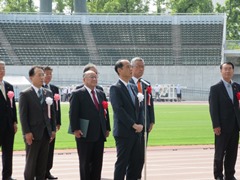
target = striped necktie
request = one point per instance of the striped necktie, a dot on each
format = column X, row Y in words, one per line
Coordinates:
column 40, row 96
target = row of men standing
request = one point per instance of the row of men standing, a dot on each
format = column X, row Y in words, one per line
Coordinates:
column 39, row 125
column 38, row 128
column 86, row 102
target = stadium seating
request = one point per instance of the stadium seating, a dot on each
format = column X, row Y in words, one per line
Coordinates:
column 103, row 39
column 4, row 57
column 59, row 56
column 38, row 34
column 131, row 34
column 201, row 34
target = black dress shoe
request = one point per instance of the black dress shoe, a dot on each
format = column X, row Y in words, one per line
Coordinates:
column 219, row 178
column 230, row 178
column 51, row 177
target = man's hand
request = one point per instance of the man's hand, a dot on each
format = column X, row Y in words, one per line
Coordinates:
column 150, row 127
column 58, row 127
column 52, row 136
column 29, row 138
column 78, row 133
column 15, row 127
column 107, row 133
column 217, row 131
column 138, row 127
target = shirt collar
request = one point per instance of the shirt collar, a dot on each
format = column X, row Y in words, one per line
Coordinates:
column 35, row 88
column 125, row 83
column 89, row 90
column 135, row 80
column 227, row 83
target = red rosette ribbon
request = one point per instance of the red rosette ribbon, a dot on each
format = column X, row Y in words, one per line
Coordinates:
column 149, row 91
column 10, row 95
column 56, row 99
column 238, row 98
column 105, row 106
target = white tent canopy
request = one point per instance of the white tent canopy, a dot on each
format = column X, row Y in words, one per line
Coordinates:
column 17, row 80
column 19, row 83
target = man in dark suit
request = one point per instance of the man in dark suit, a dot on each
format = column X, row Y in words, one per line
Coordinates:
column 38, row 124
column 128, row 123
column 137, row 73
column 8, row 124
column 87, row 103
column 55, row 91
column 93, row 68
column 225, row 115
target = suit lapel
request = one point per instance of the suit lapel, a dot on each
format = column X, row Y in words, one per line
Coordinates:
column 35, row 96
column 225, row 91
column 125, row 91
column 235, row 91
column 89, row 98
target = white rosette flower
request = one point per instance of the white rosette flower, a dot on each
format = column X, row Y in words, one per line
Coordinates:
column 140, row 97
column 49, row 102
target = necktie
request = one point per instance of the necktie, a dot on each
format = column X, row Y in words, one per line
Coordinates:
column 131, row 93
column 230, row 91
column 95, row 99
column 3, row 90
column 40, row 96
column 46, row 86
column 139, row 86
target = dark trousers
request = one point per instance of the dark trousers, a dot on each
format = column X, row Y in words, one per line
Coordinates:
column 127, row 157
column 50, row 157
column 36, row 158
column 90, row 159
column 6, row 139
column 226, row 149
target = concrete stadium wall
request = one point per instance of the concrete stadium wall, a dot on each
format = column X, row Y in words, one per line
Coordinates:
column 196, row 79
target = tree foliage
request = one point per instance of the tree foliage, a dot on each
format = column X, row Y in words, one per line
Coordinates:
column 232, row 10
column 63, row 5
column 191, row 6
column 118, row 6
column 17, row 6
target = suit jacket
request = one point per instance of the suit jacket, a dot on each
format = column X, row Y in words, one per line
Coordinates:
column 34, row 115
column 7, row 112
column 150, row 109
column 224, row 113
column 82, row 106
column 55, row 90
column 126, row 113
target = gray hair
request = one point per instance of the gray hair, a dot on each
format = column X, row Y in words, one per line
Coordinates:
column 2, row 62
column 133, row 61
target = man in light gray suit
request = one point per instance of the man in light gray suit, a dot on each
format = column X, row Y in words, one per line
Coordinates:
column 38, row 124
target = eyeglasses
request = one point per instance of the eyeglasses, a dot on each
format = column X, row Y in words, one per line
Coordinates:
column 92, row 77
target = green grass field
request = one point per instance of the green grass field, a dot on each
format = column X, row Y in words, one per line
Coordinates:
column 175, row 124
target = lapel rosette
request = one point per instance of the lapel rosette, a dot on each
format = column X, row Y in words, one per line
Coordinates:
column 49, row 102
column 105, row 106
column 10, row 95
column 149, row 91
column 238, row 98
column 56, row 99
column 140, row 97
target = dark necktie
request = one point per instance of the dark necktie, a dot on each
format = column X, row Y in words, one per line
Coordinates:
column 40, row 96
column 131, row 93
column 46, row 86
column 95, row 99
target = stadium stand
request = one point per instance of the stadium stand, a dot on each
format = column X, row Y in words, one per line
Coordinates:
column 162, row 40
